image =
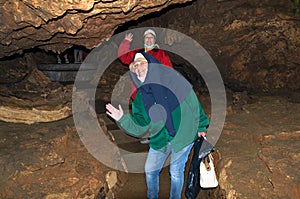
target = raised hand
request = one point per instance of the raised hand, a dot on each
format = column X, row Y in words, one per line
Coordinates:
column 113, row 112
column 129, row 37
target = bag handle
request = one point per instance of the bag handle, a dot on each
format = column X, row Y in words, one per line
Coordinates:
column 206, row 163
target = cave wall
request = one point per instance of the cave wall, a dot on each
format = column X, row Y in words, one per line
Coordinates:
column 255, row 44
column 56, row 25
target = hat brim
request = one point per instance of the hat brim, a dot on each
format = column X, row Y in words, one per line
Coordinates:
column 140, row 59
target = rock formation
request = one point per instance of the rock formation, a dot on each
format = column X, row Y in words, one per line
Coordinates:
column 56, row 25
column 255, row 45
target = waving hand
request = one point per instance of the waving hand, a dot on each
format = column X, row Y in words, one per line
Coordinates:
column 114, row 112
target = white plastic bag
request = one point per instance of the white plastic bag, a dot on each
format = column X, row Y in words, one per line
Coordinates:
column 208, row 177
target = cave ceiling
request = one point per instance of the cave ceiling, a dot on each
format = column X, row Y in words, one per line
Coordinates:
column 56, row 25
column 254, row 43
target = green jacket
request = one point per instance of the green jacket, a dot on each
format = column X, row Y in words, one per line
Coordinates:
column 189, row 119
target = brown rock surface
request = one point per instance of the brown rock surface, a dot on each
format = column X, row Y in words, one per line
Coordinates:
column 259, row 150
column 49, row 161
column 255, row 44
column 28, row 96
column 56, row 25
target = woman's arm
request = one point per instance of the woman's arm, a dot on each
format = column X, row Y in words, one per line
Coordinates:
column 124, row 53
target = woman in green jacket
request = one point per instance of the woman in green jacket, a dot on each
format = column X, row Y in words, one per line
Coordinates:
column 168, row 109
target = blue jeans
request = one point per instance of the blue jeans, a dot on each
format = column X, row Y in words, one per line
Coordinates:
column 154, row 164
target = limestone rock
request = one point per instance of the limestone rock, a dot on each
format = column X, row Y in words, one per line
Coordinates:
column 56, row 25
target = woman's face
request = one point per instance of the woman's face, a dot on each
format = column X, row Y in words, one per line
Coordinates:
column 149, row 39
column 140, row 68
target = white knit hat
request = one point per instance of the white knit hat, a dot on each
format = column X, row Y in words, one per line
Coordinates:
column 138, row 56
column 150, row 31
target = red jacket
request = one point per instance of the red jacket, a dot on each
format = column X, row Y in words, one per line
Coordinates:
column 126, row 56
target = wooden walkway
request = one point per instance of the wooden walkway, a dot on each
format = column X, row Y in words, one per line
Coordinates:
column 67, row 72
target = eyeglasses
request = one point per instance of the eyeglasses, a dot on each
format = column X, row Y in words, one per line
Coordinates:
column 138, row 64
column 147, row 37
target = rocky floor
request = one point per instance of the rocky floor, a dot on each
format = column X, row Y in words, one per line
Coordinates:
column 48, row 160
column 258, row 150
